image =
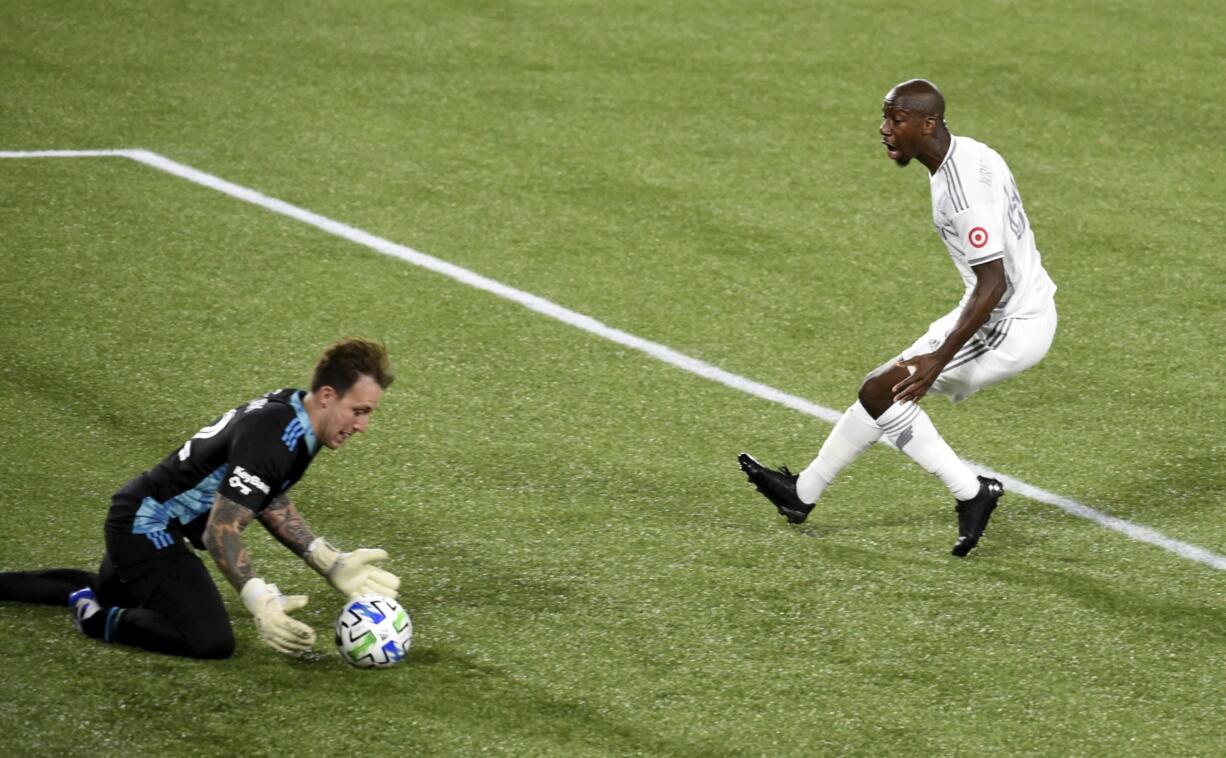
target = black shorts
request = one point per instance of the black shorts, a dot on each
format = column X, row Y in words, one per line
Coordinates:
column 161, row 582
column 136, row 555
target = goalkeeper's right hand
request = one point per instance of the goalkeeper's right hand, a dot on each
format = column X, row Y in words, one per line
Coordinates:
column 352, row 573
column 271, row 611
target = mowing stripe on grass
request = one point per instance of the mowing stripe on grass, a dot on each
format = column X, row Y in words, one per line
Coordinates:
column 591, row 325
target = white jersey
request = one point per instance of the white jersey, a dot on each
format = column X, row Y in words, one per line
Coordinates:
column 978, row 212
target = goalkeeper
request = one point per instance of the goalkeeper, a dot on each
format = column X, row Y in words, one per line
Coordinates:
column 153, row 592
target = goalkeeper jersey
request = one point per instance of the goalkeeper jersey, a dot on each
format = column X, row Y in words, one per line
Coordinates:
column 978, row 213
column 250, row 455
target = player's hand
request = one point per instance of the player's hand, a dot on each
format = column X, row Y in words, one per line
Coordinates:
column 271, row 611
column 353, row 573
column 923, row 370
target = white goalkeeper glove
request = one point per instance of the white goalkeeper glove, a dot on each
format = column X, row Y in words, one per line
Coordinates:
column 351, row 573
column 270, row 609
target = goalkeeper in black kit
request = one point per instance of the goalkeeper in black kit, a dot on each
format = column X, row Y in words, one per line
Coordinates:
column 153, row 592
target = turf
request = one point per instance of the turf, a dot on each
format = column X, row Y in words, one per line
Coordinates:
column 588, row 573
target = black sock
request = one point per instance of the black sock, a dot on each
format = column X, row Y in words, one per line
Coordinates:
column 95, row 625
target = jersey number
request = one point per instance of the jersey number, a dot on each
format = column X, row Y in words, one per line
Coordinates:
column 209, row 431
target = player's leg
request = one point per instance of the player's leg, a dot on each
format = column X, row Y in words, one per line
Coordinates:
column 180, row 613
column 167, row 603
column 856, row 430
column 105, row 589
column 906, row 425
column 46, row 587
column 911, row 431
column 854, row 433
column 794, row 495
column 994, row 354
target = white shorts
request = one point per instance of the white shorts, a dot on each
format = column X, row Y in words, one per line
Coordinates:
column 993, row 354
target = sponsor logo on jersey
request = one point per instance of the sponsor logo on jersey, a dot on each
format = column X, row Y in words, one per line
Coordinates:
column 242, row 477
column 978, row 237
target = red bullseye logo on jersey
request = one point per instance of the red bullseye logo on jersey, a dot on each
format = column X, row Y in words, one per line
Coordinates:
column 978, row 237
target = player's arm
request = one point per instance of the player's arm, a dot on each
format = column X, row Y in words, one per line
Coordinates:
column 351, row 573
column 990, row 287
column 222, row 538
column 284, row 522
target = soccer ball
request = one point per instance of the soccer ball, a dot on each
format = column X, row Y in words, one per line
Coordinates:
column 373, row 631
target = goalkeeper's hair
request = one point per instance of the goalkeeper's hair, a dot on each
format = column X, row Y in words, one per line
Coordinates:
column 345, row 361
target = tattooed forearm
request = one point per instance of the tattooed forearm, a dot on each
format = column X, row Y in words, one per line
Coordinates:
column 283, row 521
column 222, row 538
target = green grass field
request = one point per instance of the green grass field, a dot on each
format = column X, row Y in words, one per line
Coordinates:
column 587, row 571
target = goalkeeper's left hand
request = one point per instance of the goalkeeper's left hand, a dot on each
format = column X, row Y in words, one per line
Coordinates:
column 352, row 573
column 270, row 608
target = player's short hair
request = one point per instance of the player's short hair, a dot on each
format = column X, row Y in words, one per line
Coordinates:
column 345, row 361
column 918, row 96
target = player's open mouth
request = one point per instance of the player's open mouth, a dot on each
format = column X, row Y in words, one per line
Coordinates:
column 891, row 151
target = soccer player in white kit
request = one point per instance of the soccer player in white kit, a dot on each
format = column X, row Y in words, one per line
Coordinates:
column 1003, row 325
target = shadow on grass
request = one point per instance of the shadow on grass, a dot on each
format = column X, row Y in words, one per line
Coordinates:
column 1180, row 620
column 443, row 690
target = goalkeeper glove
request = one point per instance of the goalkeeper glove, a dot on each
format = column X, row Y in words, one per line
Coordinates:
column 270, row 609
column 351, row 573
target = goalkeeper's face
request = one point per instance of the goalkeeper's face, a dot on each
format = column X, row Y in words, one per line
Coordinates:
column 346, row 415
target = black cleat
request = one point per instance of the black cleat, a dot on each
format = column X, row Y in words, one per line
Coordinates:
column 779, row 487
column 973, row 515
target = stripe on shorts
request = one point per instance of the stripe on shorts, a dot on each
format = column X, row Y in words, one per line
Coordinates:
column 978, row 346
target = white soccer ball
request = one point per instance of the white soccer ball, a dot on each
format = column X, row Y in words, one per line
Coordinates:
column 373, row 631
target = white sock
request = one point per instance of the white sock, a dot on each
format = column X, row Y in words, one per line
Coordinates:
column 854, row 433
column 912, row 432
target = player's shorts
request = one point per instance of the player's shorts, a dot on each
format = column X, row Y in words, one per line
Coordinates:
column 995, row 353
column 160, row 594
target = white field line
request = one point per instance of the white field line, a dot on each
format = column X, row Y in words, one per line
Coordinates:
column 66, row 154
column 591, row 325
